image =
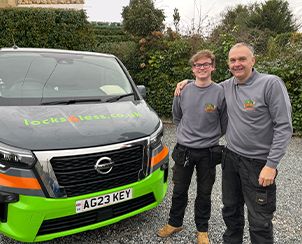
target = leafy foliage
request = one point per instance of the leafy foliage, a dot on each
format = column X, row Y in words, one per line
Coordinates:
column 125, row 51
column 141, row 17
column 176, row 19
column 256, row 23
column 273, row 15
column 221, row 48
column 235, row 17
column 161, row 69
column 40, row 27
column 109, row 32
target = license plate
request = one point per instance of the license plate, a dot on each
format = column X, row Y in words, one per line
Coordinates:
column 103, row 200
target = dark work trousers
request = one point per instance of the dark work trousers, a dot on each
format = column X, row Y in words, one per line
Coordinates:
column 240, row 185
column 205, row 177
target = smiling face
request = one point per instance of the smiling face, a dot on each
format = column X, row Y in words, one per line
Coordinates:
column 203, row 68
column 241, row 61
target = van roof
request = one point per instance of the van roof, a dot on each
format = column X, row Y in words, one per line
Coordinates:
column 51, row 50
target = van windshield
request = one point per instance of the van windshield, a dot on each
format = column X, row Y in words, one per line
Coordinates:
column 35, row 78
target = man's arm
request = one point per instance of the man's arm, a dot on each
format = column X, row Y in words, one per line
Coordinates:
column 223, row 117
column 176, row 110
column 180, row 85
column 280, row 112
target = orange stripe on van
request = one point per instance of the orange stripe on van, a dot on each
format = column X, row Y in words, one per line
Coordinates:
column 159, row 157
column 19, row 182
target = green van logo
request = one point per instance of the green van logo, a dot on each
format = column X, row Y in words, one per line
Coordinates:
column 79, row 118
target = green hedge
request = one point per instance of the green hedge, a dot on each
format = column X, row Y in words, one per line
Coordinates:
column 106, row 32
column 159, row 70
column 42, row 27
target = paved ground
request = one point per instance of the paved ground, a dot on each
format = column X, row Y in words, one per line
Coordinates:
column 142, row 228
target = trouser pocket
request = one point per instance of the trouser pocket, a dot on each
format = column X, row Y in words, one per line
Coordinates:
column 180, row 155
column 264, row 199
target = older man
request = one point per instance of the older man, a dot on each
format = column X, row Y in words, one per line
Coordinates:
column 258, row 132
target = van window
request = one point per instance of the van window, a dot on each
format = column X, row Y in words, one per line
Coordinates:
column 37, row 76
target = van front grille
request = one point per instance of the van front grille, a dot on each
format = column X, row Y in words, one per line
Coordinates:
column 77, row 175
column 95, row 216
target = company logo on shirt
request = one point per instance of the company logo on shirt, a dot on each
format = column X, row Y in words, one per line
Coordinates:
column 209, row 107
column 249, row 104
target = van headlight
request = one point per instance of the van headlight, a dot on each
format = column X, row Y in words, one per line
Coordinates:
column 157, row 137
column 16, row 157
column 159, row 152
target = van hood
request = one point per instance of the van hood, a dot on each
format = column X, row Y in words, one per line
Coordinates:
column 76, row 126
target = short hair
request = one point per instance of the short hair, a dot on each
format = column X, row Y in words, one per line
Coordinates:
column 244, row 44
column 202, row 54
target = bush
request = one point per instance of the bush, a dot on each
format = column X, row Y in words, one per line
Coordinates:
column 160, row 71
column 123, row 50
column 46, row 28
column 106, row 32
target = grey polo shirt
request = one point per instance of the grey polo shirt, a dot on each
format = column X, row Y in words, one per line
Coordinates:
column 200, row 115
column 259, row 117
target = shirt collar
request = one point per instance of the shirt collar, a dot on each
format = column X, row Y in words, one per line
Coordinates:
column 249, row 81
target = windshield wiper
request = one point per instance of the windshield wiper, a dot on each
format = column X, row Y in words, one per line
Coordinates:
column 71, row 101
column 116, row 98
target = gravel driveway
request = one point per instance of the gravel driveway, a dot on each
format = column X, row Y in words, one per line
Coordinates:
column 142, row 228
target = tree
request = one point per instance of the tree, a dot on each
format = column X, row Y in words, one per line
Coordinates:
column 234, row 23
column 273, row 15
column 141, row 18
column 236, row 16
column 256, row 23
column 176, row 19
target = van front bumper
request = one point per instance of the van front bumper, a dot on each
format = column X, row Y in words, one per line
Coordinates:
column 34, row 219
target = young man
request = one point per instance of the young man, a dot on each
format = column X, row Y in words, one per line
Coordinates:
column 200, row 116
column 259, row 130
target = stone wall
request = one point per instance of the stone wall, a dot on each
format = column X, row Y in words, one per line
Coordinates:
column 24, row 2
column 8, row 3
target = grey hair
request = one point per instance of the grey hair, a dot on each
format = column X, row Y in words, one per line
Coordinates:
column 243, row 44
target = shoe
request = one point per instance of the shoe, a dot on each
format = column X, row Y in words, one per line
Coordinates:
column 168, row 230
column 202, row 238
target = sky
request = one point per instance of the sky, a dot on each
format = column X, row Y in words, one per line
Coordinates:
column 192, row 12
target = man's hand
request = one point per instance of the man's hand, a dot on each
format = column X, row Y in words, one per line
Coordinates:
column 180, row 85
column 267, row 176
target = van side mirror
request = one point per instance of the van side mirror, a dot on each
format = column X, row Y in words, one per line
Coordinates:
column 142, row 90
